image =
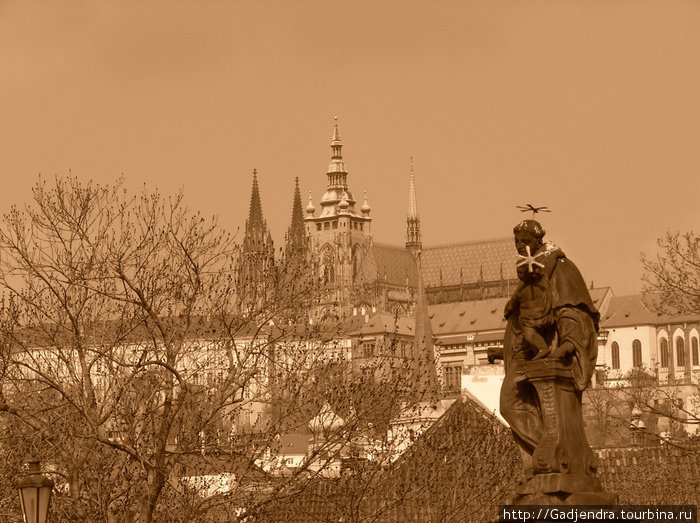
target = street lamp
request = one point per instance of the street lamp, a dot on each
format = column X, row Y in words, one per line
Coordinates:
column 35, row 494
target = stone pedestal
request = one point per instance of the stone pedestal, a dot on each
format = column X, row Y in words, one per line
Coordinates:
column 563, row 464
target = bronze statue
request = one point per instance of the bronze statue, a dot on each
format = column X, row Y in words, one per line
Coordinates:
column 550, row 349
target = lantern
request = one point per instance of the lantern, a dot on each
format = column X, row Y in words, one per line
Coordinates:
column 35, row 494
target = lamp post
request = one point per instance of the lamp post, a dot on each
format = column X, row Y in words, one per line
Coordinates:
column 35, row 494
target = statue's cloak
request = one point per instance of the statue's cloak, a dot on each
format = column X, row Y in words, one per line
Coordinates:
column 575, row 314
column 576, row 317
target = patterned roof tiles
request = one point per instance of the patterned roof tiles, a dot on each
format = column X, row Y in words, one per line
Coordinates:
column 390, row 263
column 468, row 262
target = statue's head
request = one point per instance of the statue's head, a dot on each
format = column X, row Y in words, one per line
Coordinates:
column 528, row 233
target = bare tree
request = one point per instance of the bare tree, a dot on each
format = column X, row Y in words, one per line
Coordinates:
column 674, row 274
column 134, row 367
column 125, row 346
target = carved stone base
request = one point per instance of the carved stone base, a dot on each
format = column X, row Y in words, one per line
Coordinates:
column 562, row 489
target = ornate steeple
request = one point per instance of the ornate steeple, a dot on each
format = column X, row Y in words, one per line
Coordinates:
column 255, row 217
column 413, row 236
column 296, row 234
column 337, row 189
column 337, row 175
column 257, row 253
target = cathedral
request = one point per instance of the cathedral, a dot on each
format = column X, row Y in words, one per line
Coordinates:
column 358, row 274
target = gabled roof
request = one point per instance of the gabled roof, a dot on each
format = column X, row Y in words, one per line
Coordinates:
column 601, row 297
column 467, row 316
column 468, row 262
column 391, row 263
column 627, row 311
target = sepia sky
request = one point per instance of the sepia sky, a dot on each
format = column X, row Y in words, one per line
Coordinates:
column 589, row 107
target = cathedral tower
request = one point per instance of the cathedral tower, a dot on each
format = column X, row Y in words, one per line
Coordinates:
column 296, row 245
column 340, row 234
column 257, row 261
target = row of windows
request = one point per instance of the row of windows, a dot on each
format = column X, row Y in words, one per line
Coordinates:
column 680, row 352
column 636, row 354
column 663, row 353
column 334, row 225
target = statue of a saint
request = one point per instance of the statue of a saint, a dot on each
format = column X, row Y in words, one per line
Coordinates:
column 550, row 349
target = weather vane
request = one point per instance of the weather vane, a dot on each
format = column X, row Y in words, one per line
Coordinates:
column 531, row 208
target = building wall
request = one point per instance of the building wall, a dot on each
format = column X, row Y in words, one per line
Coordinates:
column 625, row 337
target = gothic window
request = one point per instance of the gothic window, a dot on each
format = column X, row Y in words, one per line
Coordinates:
column 327, row 265
column 615, row 355
column 396, row 309
column 663, row 353
column 694, row 350
column 680, row 352
column 637, row 353
column 356, row 260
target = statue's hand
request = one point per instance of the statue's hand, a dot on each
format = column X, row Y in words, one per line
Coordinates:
column 563, row 350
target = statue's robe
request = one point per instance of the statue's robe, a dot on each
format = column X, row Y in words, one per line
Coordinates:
column 576, row 320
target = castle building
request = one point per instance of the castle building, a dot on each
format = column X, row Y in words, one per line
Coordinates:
column 360, row 274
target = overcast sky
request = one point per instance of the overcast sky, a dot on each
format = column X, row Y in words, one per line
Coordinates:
column 589, row 107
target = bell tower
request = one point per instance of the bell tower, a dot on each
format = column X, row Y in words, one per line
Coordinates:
column 340, row 233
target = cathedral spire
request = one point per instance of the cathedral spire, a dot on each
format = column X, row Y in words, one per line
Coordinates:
column 413, row 236
column 337, row 175
column 255, row 217
column 412, row 207
column 424, row 368
column 296, row 235
column 257, row 253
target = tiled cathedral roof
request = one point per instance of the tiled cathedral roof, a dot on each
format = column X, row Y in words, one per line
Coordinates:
column 475, row 260
column 390, row 263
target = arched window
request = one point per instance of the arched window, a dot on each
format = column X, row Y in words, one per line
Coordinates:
column 637, row 353
column 663, row 353
column 680, row 352
column 328, row 265
column 694, row 350
column 615, row 355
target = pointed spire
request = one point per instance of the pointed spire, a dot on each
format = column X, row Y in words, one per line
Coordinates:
column 337, row 175
column 257, row 260
column 424, row 356
column 336, row 134
column 413, row 236
column 255, row 217
column 412, row 207
column 296, row 235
